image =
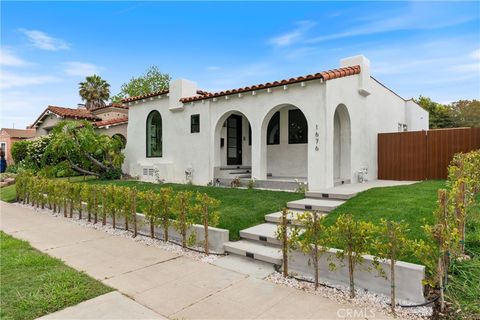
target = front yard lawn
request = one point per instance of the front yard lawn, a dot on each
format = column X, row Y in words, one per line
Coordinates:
column 8, row 194
column 34, row 284
column 239, row 208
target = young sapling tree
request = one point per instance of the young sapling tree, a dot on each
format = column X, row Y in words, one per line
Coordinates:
column 204, row 207
column 355, row 237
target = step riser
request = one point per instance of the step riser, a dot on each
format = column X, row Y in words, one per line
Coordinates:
column 262, row 239
column 251, row 255
column 328, row 196
column 309, row 207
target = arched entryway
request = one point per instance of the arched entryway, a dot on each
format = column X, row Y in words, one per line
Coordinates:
column 232, row 144
column 341, row 145
column 121, row 138
column 285, row 137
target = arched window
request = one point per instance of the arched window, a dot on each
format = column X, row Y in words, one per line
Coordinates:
column 154, row 134
column 273, row 130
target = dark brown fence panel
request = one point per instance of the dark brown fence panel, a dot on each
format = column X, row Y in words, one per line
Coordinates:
column 402, row 156
column 420, row 155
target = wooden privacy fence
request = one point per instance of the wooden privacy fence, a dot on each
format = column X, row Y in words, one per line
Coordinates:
column 421, row 155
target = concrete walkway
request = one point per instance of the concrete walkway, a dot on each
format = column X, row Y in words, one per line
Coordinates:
column 171, row 285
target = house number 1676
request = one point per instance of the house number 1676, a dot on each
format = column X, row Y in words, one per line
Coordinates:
column 316, row 138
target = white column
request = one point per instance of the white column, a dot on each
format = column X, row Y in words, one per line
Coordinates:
column 259, row 152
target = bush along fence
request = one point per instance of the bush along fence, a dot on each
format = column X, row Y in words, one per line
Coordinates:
column 189, row 217
column 310, row 238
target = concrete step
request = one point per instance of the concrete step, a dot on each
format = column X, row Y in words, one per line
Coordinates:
column 240, row 172
column 276, row 217
column 321, row 205
column 264, row 232
column 236, row 168
column 334, row 195
column 255, row 250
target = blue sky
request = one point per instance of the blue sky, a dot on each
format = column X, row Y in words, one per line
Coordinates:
column 415, row 48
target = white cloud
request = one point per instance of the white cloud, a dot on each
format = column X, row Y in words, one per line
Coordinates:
column 418, row 17
column 43, row 41
column 10, row 80
column 213, row 68
column 83, row 69
column 8, row 58
column 293, row 36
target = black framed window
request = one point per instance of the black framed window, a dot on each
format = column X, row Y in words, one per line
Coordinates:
column 249, row 134
column 297, row 127
column 154, row 134
column 273, row 129
column 195, row 123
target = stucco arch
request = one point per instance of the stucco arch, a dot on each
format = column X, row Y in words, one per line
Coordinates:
column 284, row 159
column 219, row 133
column 342, row 142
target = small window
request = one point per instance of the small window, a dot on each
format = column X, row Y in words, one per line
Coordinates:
column 195, row 123
column 273, row 130
column 297, row 127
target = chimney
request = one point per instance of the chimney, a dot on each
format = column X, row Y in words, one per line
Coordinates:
column 180, row 88
column 364, row 76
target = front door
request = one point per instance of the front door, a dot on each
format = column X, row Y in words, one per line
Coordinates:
column 234, row 140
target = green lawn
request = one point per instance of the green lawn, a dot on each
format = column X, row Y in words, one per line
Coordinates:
column 239, row 209
column 34, row 284
column 8, row 194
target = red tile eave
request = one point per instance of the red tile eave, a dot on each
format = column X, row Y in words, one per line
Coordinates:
column 325, row 75
column 111, row 122
column 158, row 93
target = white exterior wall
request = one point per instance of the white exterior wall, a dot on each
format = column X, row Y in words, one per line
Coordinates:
column 372, row 109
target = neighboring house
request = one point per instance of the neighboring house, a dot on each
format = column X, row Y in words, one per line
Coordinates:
column 9, row 136
column 321, row 128
column 110, row 120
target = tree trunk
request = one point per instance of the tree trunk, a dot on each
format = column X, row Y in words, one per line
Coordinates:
column 440, row 282
column 205, row 227
column 64, row 207
column 81, row 170
column 350, row 273
column 104, row 209
column 80, row 207
column 95, row 206
column 152, row 228
column 284, row 242
column 134, row 213
column 392, row 285
column 113, row 218
column 71, row 207
column 95, row 161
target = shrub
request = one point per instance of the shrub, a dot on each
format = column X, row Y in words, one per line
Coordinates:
column 19, row 150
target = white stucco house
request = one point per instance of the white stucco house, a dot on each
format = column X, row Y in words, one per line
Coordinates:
column 320, row 128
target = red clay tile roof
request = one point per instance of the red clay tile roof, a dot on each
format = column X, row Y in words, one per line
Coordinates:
column 72, row 113
column 111, row 122
column 158, row 93
column 111, row 105
column 19, row 133
column 325, row 75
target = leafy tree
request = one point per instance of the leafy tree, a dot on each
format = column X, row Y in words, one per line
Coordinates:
column 466, row 113
column 440, row 116
column 391, row 243
column 152, row 80
column 355, row 237
column 86, row 151
column 151, row 209
column 94, row 91
column 182, row 208
column 313, row 240
column 165, row 202
column 204, row 208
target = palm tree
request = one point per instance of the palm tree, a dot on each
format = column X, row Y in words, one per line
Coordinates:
column 94, row 91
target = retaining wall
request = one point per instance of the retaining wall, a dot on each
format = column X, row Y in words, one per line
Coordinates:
column 408, row 276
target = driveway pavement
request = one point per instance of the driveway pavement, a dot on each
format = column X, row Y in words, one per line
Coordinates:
column 171, row 285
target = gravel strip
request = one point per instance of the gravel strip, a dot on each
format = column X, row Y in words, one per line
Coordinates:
column 363, row 298
column 167, row 246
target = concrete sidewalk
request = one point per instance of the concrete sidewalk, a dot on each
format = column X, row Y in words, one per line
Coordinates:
column 173, row 286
